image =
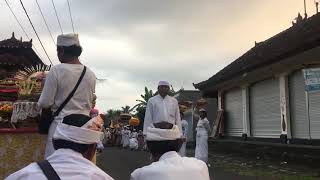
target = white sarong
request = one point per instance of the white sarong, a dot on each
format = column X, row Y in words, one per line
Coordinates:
column 202, row 146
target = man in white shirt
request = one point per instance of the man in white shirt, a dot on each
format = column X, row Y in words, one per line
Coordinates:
column 75, row 141
column 164, row 141
column 60, row 82
column 185, row 127
column 162, row 107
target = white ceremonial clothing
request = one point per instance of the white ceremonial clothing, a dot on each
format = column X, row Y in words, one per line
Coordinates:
column 59, row 83
column 68, row 164
column 203, row 129
column 68, row 40
column 126, row 139
column 134, row 135
column 157, row 134
column 163, row 83
column 122, row 136
column 184, row 125
column 171, row 166
column 162, row 109
column 133, row 143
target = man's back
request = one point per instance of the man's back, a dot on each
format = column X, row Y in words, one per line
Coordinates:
column 171, row 166
column 61, row 80
column 68, row 164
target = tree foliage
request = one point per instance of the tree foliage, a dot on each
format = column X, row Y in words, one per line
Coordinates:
column 112, row 115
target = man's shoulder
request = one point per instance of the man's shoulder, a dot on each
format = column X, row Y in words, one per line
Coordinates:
column 90, row 71
column 71, row 67
column 32, row 170
column 187, row 163
column 136, row 174
column 97, row 172
column 58, row 67
column 83, row 167
column 194, row 163
column 153, row 98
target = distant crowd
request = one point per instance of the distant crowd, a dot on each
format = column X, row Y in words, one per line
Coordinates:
column 124, row 137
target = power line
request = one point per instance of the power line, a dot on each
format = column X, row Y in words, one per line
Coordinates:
column 35, row 32
column 45, row 22
column 24, row 31
column 70, row 15
column 55, row 10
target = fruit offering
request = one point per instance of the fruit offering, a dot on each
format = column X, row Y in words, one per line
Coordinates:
column 6, row 108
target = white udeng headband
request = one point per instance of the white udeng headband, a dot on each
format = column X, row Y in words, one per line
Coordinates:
column 68, row 40
column 157, row 134
column 75, row 134
column 163, row 83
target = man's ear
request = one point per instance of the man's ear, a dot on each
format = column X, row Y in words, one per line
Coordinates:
column 90, row 152
column 180, row 142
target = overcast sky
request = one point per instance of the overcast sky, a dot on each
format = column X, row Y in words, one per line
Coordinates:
column 136, row 43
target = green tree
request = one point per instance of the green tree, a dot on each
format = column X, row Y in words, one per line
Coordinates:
column 112, row 115
column 145, row 98
column 126, row 109
column 140, row 113
column 140, row 108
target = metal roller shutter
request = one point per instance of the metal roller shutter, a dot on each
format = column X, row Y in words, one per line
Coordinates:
column 233, row 109
column 298, row 116
column 314, row 114
column 265, row 109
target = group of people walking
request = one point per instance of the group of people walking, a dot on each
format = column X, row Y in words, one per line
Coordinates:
column 124, row 137
column 74, row 135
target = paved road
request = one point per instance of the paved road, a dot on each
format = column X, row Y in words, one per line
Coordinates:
column 119, row 163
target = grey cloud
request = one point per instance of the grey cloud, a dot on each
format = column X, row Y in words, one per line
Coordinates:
column 183, row 41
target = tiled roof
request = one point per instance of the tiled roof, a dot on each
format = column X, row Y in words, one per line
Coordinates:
column 300, row 37
column 15, row 43
column 19, row 53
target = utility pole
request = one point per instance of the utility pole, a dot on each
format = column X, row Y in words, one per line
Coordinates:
column 317, row 5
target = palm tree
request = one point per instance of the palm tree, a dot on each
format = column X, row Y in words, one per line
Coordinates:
column 112, row 115
column 126, row 109
column 145, row 98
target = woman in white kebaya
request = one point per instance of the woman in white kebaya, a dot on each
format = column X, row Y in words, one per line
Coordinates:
column 203, row 129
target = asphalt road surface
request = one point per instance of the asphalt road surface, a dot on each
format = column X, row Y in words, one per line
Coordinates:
column 119, row 163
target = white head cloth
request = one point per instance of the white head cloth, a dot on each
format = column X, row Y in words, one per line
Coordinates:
column 157, row 134
column 68, row 40
column 163, row 83
column 202, row 110
column 87, row 134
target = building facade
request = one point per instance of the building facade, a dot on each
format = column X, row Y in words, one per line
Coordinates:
column 272, row 91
